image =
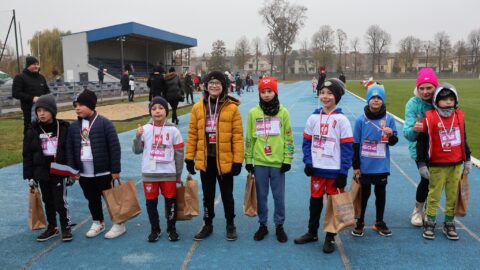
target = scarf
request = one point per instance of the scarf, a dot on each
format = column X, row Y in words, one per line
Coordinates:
column 375, row 115
column 271, row 107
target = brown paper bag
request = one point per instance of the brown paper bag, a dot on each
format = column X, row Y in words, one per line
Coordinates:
column 250, row 197
column 356, row 194
column 340, row 213
column 463, row 197
column 36, row 216
column 191, row 197
column 181, row 204
column 122, row 201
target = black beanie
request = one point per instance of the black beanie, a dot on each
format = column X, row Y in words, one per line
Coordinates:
column 217, row 75
column 158, row 100
column 87, row 98
column 47, row 102
column 336, row 86
column 30, row 60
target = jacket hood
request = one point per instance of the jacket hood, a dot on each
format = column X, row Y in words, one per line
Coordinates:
column 170, row 75
column 440, row 88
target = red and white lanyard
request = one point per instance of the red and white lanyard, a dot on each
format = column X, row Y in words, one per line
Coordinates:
column 85, row 138
column 265, row 131
column 214, row 119
column 443, row 126
column 160, row 139
column 326, row 123
column 368, row 121
column 48, row 138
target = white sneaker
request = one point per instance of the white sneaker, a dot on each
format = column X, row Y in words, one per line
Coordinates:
column 417, row 217
column 95, row 229
column 116, row 231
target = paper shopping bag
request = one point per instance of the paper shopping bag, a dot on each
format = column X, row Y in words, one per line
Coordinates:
column 356, row 194
column 181, row 204
column 463, row 197
column 191, row 197
column 250, row 197
column 122, row 201
column 36, row 215
column 340, row 213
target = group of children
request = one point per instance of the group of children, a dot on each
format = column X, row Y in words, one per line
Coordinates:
column 216, row 147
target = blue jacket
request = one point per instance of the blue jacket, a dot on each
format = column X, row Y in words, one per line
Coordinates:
column 415, row 107
column 104, row 142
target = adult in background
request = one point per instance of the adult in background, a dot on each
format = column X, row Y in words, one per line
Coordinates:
column 342, row 78
column 125, row 83
column 149, row 85
column 321, row 79
column 188, row 83
column 158, row 83
column 101, row 75
column 414, row 113
column 173, row 92
column 27, row 87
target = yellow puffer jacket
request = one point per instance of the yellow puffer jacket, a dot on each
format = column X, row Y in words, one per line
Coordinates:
column 229, row 145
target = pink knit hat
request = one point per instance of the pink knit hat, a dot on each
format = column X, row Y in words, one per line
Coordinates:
column 427, row 75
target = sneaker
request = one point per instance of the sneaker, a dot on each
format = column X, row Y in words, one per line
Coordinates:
column 50, row 232
column 329, row 245
column 261, row 233
column 306, row 238
column 417, row 215
column 203, row 233
column 67, row 234
column 450, row 231
column 359, row 229
column 154, row 235
column 281, row 235
column 429, row 230
column 382, row 228
column 173, row 235
column 231, row 233
column 96, row 228
column 116, row 231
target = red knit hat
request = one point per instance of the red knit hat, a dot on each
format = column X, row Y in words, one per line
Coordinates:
column 268, row 83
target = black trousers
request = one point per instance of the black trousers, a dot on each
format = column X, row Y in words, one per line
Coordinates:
column 92, row 190
column 380, row 183
column 54, row 197
column 422, row 189
column 27, row 119
column 131, row 94
column 174, row 105
column 316, row 206
column 170, row 213
column 209, row 179
column 191, row 96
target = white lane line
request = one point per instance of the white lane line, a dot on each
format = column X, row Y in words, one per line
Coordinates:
column 343, row 253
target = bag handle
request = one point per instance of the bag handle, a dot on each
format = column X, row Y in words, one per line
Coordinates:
column 113, row 182
column 189, row 177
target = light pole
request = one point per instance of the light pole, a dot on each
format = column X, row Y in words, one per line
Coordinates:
column 427, row 47
column 121, row 39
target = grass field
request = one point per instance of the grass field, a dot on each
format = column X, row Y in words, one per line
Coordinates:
column 400, row 91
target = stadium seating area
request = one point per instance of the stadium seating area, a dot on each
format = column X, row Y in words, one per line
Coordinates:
column 114, row 66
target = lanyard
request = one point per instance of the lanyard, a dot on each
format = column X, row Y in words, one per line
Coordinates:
column 443, row 126
column 326, row 122
column 153, row 131
column 214, row 119
column 85, row 138
column 368, row 121
column 265, row 132
column 48, row 138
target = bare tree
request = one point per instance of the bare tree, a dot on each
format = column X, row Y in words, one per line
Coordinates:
column 461, row 54
column 323, row 45
column 217, row 60
column 409, row 50
column 474, row 39
column 385, row 40
column 284, row 21
column 377, row 41
column 242, row 52
column 257, row 51
column 443, row 46
column 304, row 54
column 341, row 44
column 355, row 43
column 271, row 50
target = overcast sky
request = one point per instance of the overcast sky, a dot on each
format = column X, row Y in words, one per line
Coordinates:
column 209, row 20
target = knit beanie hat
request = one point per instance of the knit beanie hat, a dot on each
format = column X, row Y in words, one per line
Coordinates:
column 268, row 83
column 336, row 86
column 158, row 100
column 47, row 102
column 87, row 98
column 217, row 75
column 427, row 75
column 376, row 90
column 30, row 60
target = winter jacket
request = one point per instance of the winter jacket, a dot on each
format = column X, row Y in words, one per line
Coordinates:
column 173, row 87
column 104, row 143
column 229, row 134
column 28, row 85
column 157, row 85
column 125, row 82
column 282, row 145
column 188, row 84
column 35, row 164
column 415, row 107
column 321, row 80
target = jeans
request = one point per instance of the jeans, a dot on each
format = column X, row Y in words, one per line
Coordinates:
column 265, row 177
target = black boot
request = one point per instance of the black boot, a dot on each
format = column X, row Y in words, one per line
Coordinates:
column 67, row 234
column 281, row 235
column 231, row 232
column 329, row 245
column 261, row 232
column 154, row 234
column 50, row 232
column 206, row 230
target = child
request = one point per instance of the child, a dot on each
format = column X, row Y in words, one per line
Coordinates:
column 441, row 149
column 270, row 145
column 93, row 149
column 162, row 164
column 215, row 147
column 374, row 132
column 327, row 154
column 131, row 84
column 44, row 143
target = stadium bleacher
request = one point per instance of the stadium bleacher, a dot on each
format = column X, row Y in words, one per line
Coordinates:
column 114, row 66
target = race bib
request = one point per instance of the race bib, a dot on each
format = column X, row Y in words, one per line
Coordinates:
column 323, row 146
column 373, row 149
column 450, row 138
column 86, row 151
column 211, row 125
column 270, row 125
column 49, row 145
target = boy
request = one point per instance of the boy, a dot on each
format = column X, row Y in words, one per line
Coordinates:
column 162, row 164
column 441, row 149
column 374, row 132
column 327, row 154
column 44, row 143
column 93, row 149
column 270, row 144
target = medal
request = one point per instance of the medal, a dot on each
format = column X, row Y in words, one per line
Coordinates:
column 267, row 149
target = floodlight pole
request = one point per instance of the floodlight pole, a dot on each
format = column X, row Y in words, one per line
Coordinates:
column 122, row 39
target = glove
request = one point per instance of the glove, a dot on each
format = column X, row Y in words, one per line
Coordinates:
column 236, row 168
column 32, row 183
column 190, row 166
column 423, row 170
column 250, row 168
column 340, row 181
column 285, row 168
column 70, row 181
column 467, row 167
column 308, row 170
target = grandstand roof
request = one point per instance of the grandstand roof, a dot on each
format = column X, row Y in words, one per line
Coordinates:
column 133, row 28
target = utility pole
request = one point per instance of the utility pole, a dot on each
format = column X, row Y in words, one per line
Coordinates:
column 21, row 39
column 16, row 41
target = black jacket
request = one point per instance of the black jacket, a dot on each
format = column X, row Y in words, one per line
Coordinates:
column 124, row 81
column 173, row 87
column 188, row 84
column 35, row 164
column 104, row 142
column 27, row 85
column 157, row 85
column 321, row 80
